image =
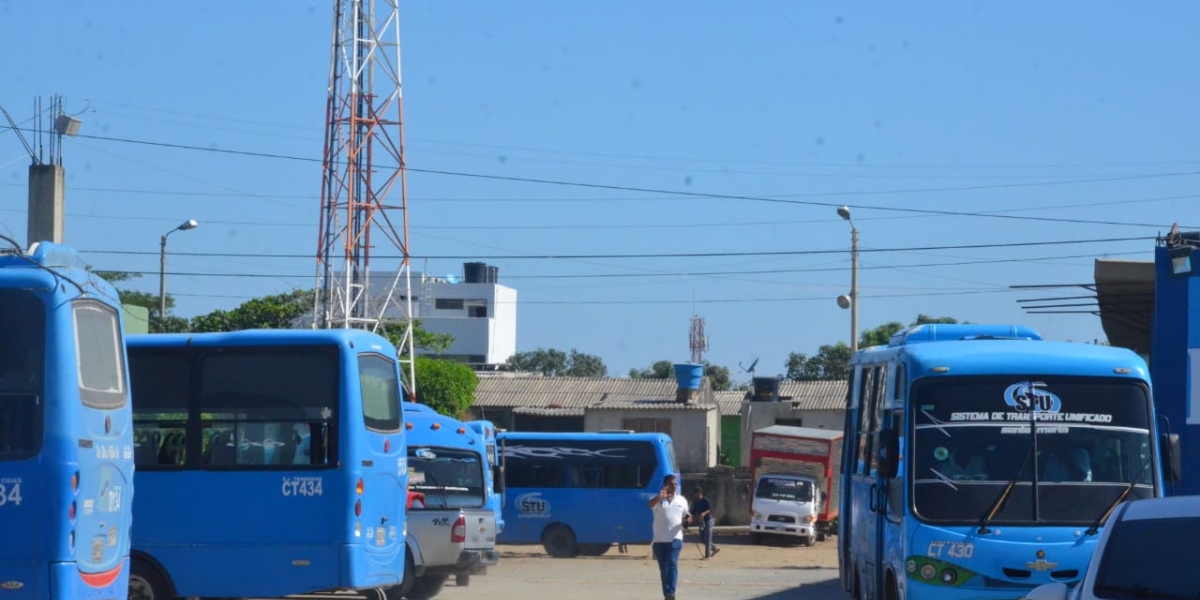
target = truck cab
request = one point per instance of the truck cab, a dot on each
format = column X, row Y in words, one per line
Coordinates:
column 786, row 505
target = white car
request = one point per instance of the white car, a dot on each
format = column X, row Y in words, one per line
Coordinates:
column 1148, row 550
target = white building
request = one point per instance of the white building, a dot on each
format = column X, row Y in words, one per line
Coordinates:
column 480, row 313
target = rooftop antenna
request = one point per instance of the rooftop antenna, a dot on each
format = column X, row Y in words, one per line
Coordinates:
column 697, row 340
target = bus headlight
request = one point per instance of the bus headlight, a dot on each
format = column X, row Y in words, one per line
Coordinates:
column 949, row 576
column 928, row 571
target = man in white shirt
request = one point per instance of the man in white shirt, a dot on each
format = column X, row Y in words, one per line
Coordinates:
column 670, row 515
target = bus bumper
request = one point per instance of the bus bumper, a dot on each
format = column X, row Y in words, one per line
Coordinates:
column 67, row 581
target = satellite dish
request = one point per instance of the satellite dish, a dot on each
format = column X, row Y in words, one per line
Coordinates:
column 749, row 369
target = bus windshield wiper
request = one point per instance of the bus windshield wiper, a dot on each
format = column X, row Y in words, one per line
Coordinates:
column 1008, row 488
column 1095, row 528
column 1137, row 591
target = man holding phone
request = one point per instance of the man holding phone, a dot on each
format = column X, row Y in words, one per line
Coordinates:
column 670, row 516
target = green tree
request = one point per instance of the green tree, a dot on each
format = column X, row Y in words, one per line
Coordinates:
column 831, row 362
column 718, row 376
column 157, row 324
column 556, row 363
column 279, row 311
column 436, row 343
column 445, row 386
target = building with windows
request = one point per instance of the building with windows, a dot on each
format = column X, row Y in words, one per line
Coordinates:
column 480, row 313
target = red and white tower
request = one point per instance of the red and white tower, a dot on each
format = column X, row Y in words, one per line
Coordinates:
column 363, row 167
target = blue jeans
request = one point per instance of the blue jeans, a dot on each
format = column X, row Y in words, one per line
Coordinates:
column 667, row 555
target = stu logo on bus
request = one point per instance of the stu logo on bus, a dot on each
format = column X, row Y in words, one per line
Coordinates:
column 533, row 506
column 1031, row 396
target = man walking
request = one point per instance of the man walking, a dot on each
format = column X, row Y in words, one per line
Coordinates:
column 670, row 515
column 702, row 513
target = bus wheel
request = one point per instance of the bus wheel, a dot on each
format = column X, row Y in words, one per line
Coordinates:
column 426, row 587
column 147, row 583
column 594, row 549
column 559, row 542
column 462, row 580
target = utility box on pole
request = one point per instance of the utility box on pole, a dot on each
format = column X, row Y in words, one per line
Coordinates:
column 46, row 203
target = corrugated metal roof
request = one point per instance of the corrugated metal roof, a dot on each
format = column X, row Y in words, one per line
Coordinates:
column 568, row 392
column 730, row 403
column 649, row 405
column 814, row 395
column 582, row 392
column 548, row 412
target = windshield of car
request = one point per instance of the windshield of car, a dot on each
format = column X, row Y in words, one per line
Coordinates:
column 971, row 435
column 1150, row 558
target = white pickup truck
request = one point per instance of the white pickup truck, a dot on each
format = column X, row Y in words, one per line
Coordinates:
column 450, row 531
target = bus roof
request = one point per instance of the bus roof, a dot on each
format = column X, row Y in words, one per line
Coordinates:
column 425, row 426
column 1012, row 356
column 47, row 262
column 577, row 435
column 262, row 337
column 801, row 432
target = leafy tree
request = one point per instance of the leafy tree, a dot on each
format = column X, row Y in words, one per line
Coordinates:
column 556, row 363
column 445, row 386
column 831, row 362
column 422, row 339
column 279, row 311
column 664, row 369
column 147, row 300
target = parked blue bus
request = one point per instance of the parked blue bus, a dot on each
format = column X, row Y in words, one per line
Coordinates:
column 66, row 438
column 451, row 529
column 980, row 461
column 270, row 462
column 579, row 493
column 488, row 434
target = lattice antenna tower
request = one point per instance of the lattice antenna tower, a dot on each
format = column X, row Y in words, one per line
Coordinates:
column 697, row 340
column 363, row 166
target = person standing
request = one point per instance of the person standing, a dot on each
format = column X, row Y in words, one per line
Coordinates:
column 670, row 515
column 702, row 513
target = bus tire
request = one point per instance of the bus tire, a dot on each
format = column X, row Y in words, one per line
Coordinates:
column 594, row 549
column 890, row 590
column 147, row 582
column 462, row 580
column 559, row 541
column 427, row 586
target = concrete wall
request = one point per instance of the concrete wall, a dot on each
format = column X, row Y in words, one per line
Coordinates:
column 695, row 433
column 756, row 415
column 729, row 491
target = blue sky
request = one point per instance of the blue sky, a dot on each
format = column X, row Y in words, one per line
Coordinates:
column 1020, row 109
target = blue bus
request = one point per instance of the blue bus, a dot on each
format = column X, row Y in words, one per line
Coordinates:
column 66, row 438
column 451, row 530
column 270, row 462
column 488, row 435
column 555, row 484
column 980, row 461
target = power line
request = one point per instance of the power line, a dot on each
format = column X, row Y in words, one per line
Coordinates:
column 790, row 199
column 647, row 255
column 668, row 274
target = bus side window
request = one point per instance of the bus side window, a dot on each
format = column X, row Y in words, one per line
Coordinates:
column 895, row 490
column 878, row 393
column 866, row 380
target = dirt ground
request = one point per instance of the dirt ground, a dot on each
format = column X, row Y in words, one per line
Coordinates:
column 736, row 551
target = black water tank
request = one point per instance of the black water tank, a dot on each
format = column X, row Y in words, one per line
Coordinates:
column 766, row 389
column 493, row 274
column 475, row 272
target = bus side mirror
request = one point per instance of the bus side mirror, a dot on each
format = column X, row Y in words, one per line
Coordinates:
column 1168, row 447
column 888, row 454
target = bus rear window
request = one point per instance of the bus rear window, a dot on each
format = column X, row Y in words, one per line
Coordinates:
column 100, row 363
column 380, row 392
column 269, row 406
column 23, row 326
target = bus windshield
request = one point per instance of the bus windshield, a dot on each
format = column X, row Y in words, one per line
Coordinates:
column 23, row 321
column 973, row 435
column 449, row 477
column 783, row 488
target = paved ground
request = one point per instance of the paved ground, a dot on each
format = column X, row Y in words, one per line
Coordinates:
column 739, row 572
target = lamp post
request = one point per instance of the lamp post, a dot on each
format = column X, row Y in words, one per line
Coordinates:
column 162, row 267
column 851, row 300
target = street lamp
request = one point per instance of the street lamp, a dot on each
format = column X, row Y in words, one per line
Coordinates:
column 162, row 267
column 851, row 300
